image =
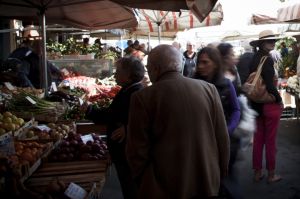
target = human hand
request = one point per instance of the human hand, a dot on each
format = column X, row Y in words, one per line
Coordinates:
column 118, row 134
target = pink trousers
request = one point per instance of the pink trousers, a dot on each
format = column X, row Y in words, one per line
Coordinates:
column 265, row 136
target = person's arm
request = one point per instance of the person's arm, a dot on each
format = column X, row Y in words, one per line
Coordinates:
column 138, row 142
column 98, row 116
column 221, row 134
column 267, row 74
column 235, row 110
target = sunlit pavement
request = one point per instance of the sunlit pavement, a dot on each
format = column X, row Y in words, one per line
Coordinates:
column 288, row 166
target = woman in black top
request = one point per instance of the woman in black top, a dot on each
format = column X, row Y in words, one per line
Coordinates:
column 269, row 113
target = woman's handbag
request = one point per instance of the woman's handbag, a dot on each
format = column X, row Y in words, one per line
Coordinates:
column 255, row 88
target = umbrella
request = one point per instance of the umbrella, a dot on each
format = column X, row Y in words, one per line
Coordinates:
column 88, row 14
column 168, row 23
column 85, row 14
column 289, row 13
column 200, row 8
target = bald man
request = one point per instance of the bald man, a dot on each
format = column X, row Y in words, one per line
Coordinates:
column 177, row 144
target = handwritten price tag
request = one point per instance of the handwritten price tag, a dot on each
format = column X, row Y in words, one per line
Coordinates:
column 86, row 138
column 9, row 86
column 43, row 127
column 30, row 100
column 54, row 87
column 75, row 192
column 80, row 101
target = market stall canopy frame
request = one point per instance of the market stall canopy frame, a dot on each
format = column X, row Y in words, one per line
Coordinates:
column 86, row 14
column 170, row 22
column 200, row 8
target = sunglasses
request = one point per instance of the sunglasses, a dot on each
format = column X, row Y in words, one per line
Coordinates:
column 270, row 41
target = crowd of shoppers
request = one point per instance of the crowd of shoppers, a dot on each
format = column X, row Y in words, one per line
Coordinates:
column 176, row 138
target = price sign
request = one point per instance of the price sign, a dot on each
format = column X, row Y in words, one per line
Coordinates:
column 80, row 101
column 30, row 100
column 54, row 87
column 65, row 72
column 9, row 86
column 7, row 146
column 86, row 138
column 43, row 128
column 75, row 192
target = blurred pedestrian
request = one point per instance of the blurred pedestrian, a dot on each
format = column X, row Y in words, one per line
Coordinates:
column 209, row 68
column 243, row 65
column 284, row 51
column 128, row 50
column 229, row 61
column 190, row 60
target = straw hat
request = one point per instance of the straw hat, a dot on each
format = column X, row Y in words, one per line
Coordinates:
column 263, row 36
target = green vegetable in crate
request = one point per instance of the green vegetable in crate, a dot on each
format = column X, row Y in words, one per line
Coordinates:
column 27, row 105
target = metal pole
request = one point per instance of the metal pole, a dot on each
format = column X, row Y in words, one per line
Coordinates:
column 44, row 53
column 148, row 46
column 121, row 41
column 159, row 31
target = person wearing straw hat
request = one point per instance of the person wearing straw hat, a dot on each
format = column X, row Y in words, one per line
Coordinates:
column 269, row 113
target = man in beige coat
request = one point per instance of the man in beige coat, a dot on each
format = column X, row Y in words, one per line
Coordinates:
column 177, row 144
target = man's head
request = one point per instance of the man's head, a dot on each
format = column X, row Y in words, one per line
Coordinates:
column 176, row 45
column 162, row 59
column 190, row 46
column 129, row 42
column 129, row 70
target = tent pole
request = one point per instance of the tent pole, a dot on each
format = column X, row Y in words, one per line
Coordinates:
column 148, row 40
column 44, row 60
column 159, row 31
column 121, row 41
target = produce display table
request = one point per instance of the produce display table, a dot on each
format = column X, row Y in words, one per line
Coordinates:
column 296, row 100
column 82, row 173
column 89, row 127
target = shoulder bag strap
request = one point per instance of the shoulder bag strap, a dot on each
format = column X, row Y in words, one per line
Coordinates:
column 259, row 69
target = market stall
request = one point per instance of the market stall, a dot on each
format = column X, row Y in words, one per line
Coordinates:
column 69, row 13
column 42, row 151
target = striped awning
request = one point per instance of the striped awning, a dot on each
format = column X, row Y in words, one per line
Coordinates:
column 171, row 22
column 290, row 13
column 263, row 19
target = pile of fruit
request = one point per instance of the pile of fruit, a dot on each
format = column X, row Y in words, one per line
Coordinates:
column 73, row 148
column 9, row 122
column 28, row 152
column 54, row 131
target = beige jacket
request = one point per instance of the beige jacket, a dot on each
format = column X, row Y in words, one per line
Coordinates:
column 177, row 144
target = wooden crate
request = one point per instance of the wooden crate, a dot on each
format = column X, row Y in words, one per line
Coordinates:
column 82, row 173
column 89, row 127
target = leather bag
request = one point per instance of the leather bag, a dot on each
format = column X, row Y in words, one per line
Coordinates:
column 255, row 88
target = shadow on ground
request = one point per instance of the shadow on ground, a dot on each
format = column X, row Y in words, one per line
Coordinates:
column 288, row 166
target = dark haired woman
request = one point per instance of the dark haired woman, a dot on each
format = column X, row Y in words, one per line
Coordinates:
column 209, row 68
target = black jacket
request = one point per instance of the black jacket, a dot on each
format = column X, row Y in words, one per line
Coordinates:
column 189, row 64
column 115, row 116
column 267, row 73
column 243, row 66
